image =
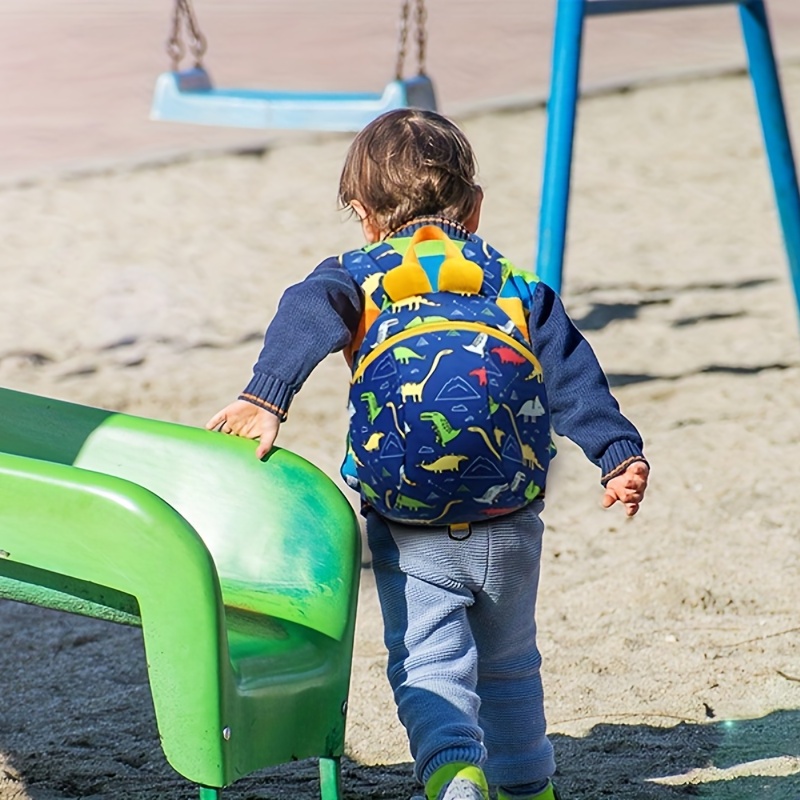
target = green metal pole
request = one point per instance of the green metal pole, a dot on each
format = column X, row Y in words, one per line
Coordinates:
column 330, row 782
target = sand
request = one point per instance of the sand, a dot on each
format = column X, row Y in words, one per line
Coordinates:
column 670, row 640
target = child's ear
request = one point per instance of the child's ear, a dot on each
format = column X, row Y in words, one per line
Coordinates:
column 371, row 232
column 473, row 220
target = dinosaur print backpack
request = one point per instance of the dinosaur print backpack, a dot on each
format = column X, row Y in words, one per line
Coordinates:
column 449, row 420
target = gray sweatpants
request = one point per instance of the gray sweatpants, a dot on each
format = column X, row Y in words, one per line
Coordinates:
column 459, row 627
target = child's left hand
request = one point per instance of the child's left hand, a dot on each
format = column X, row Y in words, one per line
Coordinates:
column 628, row 488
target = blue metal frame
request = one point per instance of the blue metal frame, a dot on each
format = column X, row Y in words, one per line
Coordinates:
column 561, row 123
column 594, row 7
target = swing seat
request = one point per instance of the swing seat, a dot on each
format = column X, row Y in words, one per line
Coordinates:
column 242, row 574
column 189, row 96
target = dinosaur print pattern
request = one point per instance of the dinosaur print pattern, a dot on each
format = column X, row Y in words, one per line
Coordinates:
column 449, row 419
column 449, row 463
column 508, row 355
column 445, row 432
column 405, row 354
column 411, row 303
column 412, row 390
column 373, row 409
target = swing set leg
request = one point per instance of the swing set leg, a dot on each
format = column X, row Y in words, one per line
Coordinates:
column 560, row 134
column 330, row 781
column 561, row 109
column 777, row 142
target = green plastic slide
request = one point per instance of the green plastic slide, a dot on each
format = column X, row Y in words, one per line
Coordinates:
column 242, row 574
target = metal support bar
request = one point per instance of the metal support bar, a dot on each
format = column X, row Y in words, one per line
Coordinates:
column 597, row 7
column 330, row 781
column 207, row 793
column 561, row 110
column 777, row 141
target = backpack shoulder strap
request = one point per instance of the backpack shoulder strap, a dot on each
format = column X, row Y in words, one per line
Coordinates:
column 508, row 286
column 367, row 267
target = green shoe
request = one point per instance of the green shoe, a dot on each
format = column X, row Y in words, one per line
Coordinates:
column 457, row 781
column 548, row 793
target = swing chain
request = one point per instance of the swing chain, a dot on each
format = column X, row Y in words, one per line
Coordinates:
column 422, row 39
column 420, row 18
column 184, row 13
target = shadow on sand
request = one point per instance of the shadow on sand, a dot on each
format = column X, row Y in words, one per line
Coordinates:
column 77, row 721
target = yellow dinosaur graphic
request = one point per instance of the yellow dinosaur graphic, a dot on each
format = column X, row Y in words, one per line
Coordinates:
column 449, row 463
column 528, row 456
column 446, row 509
column 393, row 408
column 536, row 373
column 485, row 437
column 372, row 282
column 413, row 303
column 413, row 390
column 374, row 441
column 404, row 479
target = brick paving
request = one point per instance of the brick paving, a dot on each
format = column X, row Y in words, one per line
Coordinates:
column 76, row 76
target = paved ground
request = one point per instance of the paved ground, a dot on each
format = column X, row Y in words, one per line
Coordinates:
column 76, row 75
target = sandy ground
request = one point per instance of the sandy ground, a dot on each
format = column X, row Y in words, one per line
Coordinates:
column 670, row 641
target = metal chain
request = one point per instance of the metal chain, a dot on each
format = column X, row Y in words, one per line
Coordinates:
column 422, row 39
column 420, row 19
column 184, row 13
column 401, row 46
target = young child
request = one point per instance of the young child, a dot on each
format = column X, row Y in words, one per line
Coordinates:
column 457, row 599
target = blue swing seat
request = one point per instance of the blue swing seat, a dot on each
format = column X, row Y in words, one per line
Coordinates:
column 189, row 96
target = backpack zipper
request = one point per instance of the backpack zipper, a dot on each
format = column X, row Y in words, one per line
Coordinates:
column 418, row 330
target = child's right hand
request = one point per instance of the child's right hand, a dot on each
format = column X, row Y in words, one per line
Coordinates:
column 249, row 420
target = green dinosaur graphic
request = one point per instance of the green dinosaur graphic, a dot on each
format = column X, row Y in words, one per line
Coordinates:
column 404, row 501
column 445, row 432
column 404, row 354
column 532, row 490
column 373, row 409
column 417, row 321
column 369, row 492
column 508, row 270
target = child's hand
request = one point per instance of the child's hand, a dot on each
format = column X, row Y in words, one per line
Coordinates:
column 246, row 419
column 628, row 488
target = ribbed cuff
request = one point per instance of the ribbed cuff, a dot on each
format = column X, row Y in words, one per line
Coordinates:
column 618, row 457
column 270, row 393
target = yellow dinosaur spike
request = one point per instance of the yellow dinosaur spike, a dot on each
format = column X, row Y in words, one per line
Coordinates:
column 460, row 275
column 407, row 280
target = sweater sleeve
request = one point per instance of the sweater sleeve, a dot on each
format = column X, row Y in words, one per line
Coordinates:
column 582, row 407
column 314, row 318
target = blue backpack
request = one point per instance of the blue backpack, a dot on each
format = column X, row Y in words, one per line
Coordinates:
column 449, row 421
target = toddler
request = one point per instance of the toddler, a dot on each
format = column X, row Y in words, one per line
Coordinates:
column 457, row 593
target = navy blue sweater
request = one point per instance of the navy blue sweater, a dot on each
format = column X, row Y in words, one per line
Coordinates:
column 319, row 315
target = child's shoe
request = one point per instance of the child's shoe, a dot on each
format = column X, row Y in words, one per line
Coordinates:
column 457, row 781
column 548, row 793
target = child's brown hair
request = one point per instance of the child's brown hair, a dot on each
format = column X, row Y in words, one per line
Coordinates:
column 410, row 163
